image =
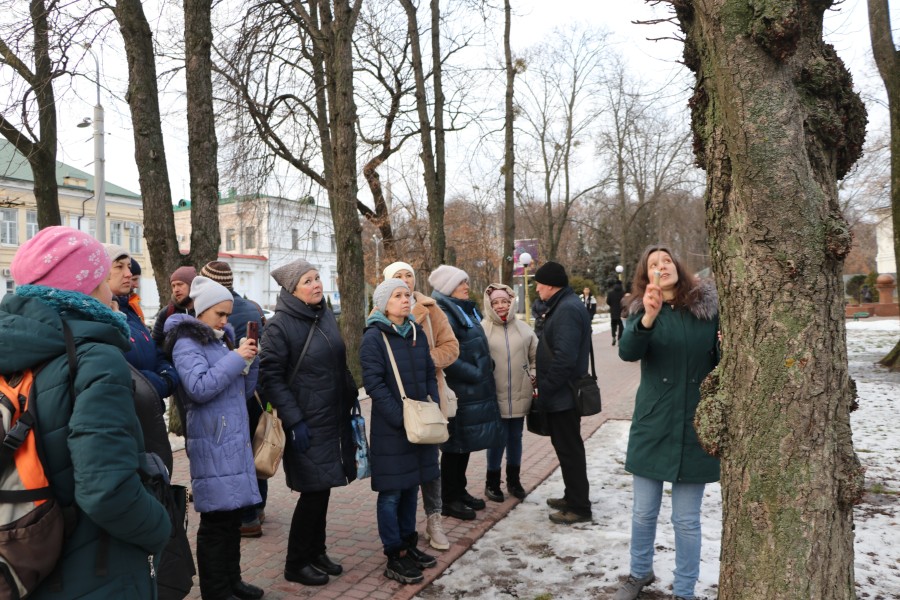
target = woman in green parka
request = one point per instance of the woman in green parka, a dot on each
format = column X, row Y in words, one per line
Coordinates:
column 93, row 445
column 672, row 329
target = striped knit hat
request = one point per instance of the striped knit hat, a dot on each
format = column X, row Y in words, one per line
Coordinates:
column 219, row 272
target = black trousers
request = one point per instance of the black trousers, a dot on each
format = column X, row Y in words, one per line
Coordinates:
column 565, row 435
column 453, row 475
column 617, row 329
column 306, row 540
column 219, row 553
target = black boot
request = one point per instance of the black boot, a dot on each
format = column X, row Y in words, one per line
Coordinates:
column 513, row 485
column 492, row 486
column 422, row 560
column 402, row 568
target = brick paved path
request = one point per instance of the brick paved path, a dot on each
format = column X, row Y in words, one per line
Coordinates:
column 352, row 531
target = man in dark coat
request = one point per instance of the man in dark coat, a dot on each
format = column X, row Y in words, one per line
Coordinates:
column 614, row 300
column 243, row 312
column 181, row 302
column 562, row 357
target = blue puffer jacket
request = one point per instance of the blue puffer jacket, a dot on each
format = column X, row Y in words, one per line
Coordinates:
column 396, row 463
column 477, row 422
column 218, row 434
column 145, row 356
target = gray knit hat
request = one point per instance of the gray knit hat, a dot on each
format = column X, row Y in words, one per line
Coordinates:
column 383, row 292
column 287, row 276
column 445, row 279
column 207, row 293
column 115, row 252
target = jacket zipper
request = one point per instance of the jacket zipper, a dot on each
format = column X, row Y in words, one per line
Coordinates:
column 221, row 430
column 508, row 369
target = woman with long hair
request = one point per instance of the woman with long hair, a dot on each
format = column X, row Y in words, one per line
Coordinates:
column 672, row 329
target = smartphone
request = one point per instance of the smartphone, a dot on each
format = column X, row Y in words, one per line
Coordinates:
column 253, row 331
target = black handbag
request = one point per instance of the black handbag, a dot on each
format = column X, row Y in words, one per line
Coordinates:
column 536, row 422
column 586, row 391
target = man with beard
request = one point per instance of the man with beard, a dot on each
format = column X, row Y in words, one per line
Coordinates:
column 181, row 301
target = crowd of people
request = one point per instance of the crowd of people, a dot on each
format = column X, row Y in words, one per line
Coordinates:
column 219, row 361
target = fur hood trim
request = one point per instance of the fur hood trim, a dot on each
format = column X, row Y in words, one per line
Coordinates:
column 704, row 306
column 178, row 326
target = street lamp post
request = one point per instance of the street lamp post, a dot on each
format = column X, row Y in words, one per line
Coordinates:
column 525, row 260
column 619, row 270
column 377, row 241
column 99, row 156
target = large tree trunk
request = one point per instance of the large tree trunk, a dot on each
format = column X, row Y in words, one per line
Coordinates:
column 888, row 60
column 202, row 144
column 509, row 158
column 149, row 151
column 776, row 122
column 39, row 152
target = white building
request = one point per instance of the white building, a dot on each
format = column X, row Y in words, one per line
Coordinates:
column 885, row 261
column 261, row 233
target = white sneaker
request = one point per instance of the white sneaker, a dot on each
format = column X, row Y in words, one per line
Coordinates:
column 633, row 586
column 434, row 532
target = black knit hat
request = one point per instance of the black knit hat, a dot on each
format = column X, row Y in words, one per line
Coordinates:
column 552, row 273
column 135, row 267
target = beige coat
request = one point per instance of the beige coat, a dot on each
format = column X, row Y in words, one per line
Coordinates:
column 443, row 344
column 513, row 345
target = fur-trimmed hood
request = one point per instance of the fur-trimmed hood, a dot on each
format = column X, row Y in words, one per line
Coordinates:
column 704, row 305
column 180, row 325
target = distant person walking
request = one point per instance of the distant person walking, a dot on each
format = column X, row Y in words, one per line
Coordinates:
column 562, row 357
column 614, row 301
column 672, row 329
column 590, row 302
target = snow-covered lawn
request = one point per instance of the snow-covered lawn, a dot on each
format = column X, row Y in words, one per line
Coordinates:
column 526, row 556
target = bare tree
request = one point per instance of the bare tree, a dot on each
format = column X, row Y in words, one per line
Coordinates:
column 558, row 113
column 202, row 143
column 887, row 57
column 28, row 121
column 776, row 123
column 509, row 149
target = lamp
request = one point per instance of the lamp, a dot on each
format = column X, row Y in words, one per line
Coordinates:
column 99, row 155
column 525, row 260
column 377, row 241
column 619, row 270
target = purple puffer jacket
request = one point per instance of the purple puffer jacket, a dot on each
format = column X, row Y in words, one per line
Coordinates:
column 218, row 432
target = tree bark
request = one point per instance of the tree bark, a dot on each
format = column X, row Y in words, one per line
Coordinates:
column 149, row 151
column 509, row 157
column 776, row 123
column 202, row 143
column 433, row 186
column 887, row 58
column 40, row 152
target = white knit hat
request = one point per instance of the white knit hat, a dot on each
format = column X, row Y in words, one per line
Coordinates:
column 391, row 269
column 206, row 293
column 445, row 279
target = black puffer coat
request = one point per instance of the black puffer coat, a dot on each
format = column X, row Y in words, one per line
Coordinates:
column 477, row 422
column 321, row 394
column 397, row 464
column 563, row 351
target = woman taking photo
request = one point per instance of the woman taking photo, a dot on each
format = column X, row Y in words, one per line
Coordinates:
column 303, row 374
column 672, row 329
column 444, row 350
column 398, row 466
column 216, row 375
column 513, row 348
column 476, row 425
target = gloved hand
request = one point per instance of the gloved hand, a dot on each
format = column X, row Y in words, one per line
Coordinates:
column 300, row 437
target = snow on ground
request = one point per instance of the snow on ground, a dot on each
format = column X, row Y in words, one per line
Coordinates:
column 526, row 556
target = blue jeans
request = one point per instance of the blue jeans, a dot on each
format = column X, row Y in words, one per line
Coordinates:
column 396, row 512
column 686, row 500
column 512, row 433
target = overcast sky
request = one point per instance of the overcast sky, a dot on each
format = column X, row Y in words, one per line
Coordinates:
column 846, row 28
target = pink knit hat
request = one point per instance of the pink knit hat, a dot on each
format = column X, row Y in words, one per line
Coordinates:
column 61, row 258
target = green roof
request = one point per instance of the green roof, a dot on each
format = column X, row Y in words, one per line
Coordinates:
column 14, row 166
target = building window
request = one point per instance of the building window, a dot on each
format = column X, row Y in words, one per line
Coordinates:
column 314, row 241
column 115, row 232
column 333, row 244
column 295, row 239
column 9, row 226
column 31, row 225
column 10, row 286
column 250, row 237
column 135, row 233
column 229, row 240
